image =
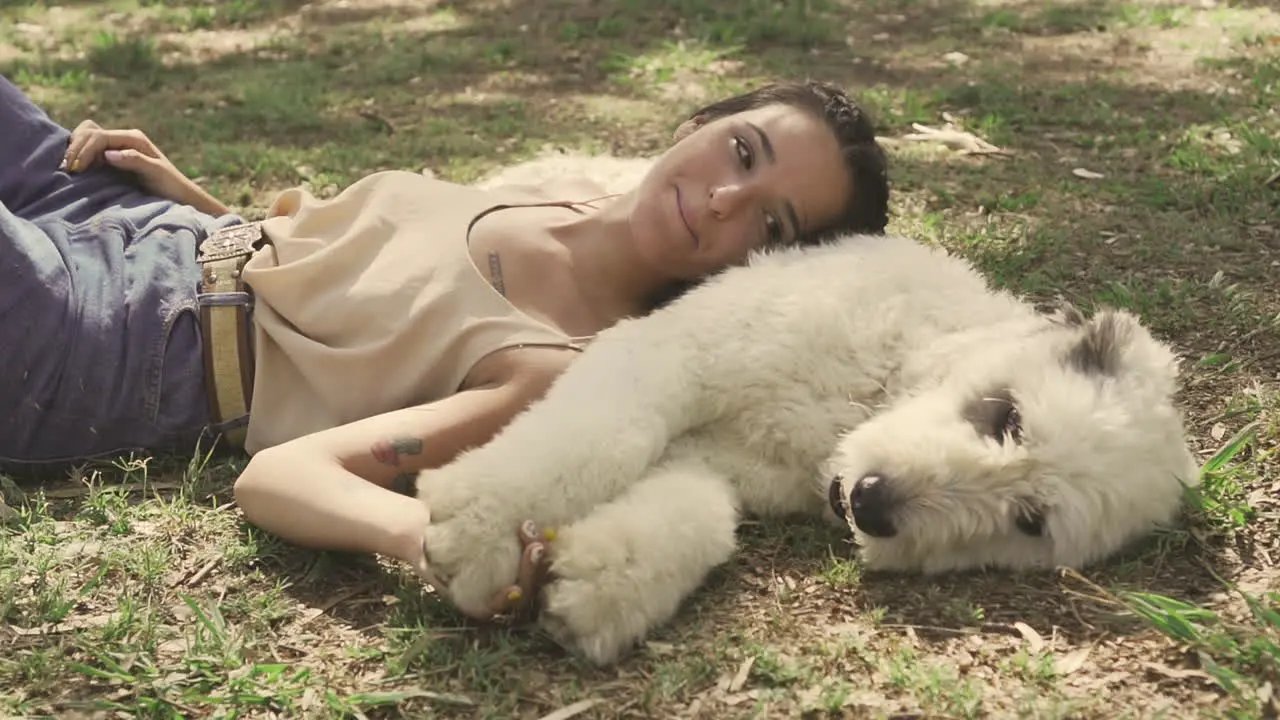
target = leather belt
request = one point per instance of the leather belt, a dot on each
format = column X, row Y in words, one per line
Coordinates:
column 226, row 325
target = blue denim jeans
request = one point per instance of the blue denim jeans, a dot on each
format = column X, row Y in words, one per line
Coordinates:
column 100, row 348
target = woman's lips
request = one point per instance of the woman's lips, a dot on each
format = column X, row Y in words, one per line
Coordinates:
column 684, row 218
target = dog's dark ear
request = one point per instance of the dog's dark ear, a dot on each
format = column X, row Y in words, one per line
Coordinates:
column 1062, row 312
column 1030, row 518
column 1097, row 352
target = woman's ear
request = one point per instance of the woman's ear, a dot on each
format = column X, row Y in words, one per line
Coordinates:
column 688, row 126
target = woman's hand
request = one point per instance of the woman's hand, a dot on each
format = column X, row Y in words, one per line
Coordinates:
column 521, row 599
column 133, row 151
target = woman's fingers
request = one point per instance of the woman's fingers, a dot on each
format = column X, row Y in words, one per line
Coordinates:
column 530, row 575
column 515, row 599
column 83, row 133
column 89, row 141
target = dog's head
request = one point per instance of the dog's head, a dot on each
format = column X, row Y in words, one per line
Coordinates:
column 1055, row 446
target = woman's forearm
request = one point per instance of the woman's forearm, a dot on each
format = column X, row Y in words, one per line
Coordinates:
column 200, row 199
column 311, row 500
column 329, row 490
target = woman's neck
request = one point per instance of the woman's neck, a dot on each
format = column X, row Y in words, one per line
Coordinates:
column 613, row 279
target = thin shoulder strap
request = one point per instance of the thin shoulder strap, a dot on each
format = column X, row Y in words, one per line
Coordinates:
column 570, row 204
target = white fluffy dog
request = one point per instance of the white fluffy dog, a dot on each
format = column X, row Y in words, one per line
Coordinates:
column 875, row 381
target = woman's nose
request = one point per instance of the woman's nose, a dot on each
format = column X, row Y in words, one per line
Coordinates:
column 726, row 199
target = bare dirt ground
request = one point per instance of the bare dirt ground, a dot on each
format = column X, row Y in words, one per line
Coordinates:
column 1121, row 153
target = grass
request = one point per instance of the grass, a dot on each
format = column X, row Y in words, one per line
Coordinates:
column 135, row 588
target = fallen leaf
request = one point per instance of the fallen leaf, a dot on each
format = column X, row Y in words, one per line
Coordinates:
column 1072, row 661
column 308, row 615
column 172, row 648
column 1176, row 673
column 1087, row 174
column 1034, row 641
column 198, row 575
column 310, row 700
column 741, row 678
column 1265, row 693
column 955, row 139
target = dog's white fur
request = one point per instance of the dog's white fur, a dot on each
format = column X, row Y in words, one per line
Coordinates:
column 874, row 357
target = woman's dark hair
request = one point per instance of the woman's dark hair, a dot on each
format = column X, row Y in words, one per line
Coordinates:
column 866, row 210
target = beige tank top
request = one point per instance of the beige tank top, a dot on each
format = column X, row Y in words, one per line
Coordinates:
column 370, row 302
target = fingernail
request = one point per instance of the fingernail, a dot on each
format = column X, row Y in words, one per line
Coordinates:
column 515, row 594
column 530, row 529
column 536, row 554
column 549, row 534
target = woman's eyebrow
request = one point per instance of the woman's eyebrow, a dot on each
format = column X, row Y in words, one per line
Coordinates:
column 765, row 143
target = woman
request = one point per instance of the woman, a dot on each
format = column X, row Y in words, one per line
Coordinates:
column 383, row 331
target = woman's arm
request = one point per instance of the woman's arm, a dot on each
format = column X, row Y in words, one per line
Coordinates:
column 133, row 151
column 329, row 490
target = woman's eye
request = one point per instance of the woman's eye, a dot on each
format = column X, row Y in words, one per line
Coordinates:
column 773, row 228
column 744, row 152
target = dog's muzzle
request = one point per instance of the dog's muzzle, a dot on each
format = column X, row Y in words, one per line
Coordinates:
column 870, row 503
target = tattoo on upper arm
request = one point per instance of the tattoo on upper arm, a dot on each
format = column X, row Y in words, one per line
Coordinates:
column 388, row 452
column 495, row 272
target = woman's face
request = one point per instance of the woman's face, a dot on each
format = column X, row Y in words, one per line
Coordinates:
column 737, row 184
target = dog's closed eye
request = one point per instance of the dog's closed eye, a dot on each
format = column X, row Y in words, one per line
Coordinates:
column 996, row 415
column 1008, row 423
column 1030, row 520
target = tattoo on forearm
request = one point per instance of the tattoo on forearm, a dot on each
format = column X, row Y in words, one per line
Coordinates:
column 388, row 452
column 495, row 272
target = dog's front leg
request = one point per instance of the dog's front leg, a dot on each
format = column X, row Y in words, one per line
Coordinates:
column 598, row 429
column 626, row 567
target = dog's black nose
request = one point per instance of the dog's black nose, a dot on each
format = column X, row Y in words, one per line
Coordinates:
column 872, row 503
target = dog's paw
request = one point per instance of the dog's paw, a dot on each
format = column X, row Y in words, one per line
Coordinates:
column 472, row 558
column 583, row 618
column 473, row 563
column 597, row 605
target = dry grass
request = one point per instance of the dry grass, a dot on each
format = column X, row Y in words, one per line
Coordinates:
column 136, row 589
